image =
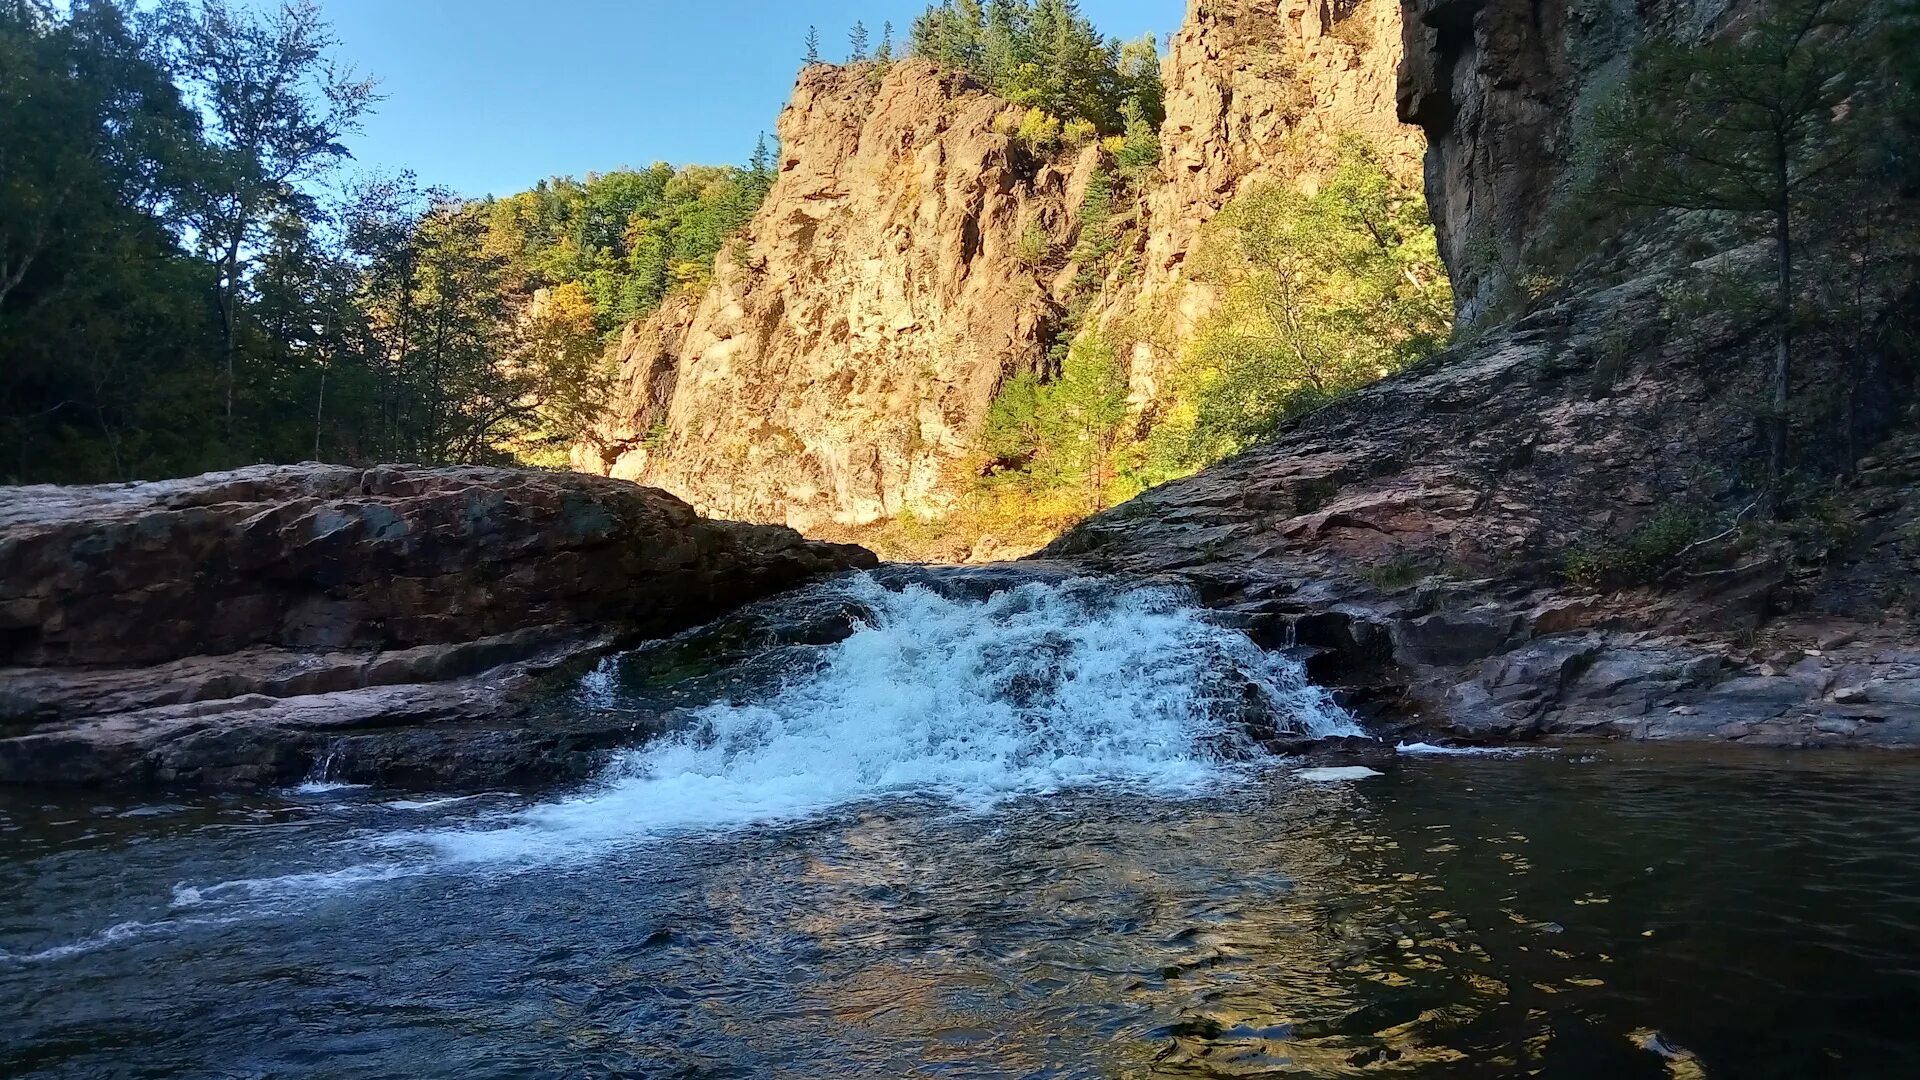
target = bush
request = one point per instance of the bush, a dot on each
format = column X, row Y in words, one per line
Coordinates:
column 1641, row 557
column 1033, row 247
column 1039, row 132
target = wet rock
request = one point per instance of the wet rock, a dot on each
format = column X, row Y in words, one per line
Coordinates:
column 332, row 557
column 1447, row 639
column 218, row 631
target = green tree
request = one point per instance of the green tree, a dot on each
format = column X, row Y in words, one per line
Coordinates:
column 857, row 42
column 1047, row 55
column 1750, row 124
column 1321, row 293
column 884, row 53
column 812, row 56
column 278, row 106
column 102, row 325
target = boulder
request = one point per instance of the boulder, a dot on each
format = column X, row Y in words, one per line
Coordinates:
column 332, row 556
column 235, row 629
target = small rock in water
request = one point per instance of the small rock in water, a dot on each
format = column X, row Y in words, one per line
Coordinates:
column 1338, row 772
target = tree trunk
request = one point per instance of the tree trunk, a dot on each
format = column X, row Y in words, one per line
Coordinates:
column 1783, row 333
column 319, row 412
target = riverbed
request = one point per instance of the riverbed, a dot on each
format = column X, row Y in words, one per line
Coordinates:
column 1015, row 832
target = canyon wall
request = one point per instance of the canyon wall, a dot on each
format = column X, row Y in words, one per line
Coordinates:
column 851, row 341
column 1258, row 92
column 912, row 257
column 1421, row 538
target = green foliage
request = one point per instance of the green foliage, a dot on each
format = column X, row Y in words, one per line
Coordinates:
column 1321, row 294
column 1061, row 436
column 1039, row 132
column 1033, row 248
column 174, row 297
column 629, row 238
column 1046, row 55
column 1755, row 124
column 1396, row 573
column 1640, row 557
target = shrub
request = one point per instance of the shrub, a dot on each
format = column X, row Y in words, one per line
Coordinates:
column 1033, row 247
column 1397, row 573
column 1039, row 132
column 1641, row 557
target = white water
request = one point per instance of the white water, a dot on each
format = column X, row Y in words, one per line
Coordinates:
column 1042, row 687
column 1036, row 689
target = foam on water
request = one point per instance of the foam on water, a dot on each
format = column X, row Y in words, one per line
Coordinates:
column 1037, row 688
column 1466, row 751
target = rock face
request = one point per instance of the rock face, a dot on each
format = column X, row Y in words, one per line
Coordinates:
column 846, row 353
column 1258, row 93
column 1415, row 532
column 909, row 261
column 1504, row 90
column 212, row 628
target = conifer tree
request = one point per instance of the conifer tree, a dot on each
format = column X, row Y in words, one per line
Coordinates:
column 857, row 42
column 884, row 53
column 1750, row 125
column 813, row 46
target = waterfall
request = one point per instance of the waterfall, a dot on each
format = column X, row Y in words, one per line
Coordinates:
column 972, row 699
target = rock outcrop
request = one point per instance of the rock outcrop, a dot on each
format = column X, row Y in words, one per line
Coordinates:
column 846, row 353
column 1258, row 93
column 217, row 629
column 1414, row 535
column 912, row 257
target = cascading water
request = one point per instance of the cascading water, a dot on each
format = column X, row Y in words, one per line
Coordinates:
column 935, row 688
column 1034, row 688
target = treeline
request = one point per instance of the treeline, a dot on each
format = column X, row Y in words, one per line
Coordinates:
column 1045, row 54
column 176, row 296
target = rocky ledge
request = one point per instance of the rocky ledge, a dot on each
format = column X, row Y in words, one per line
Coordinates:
column 1411, row 542
column 227, row 629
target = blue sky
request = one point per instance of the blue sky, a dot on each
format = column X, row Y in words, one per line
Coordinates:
column 489, row 96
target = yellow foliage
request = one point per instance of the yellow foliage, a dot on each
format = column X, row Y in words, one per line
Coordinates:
column 1039, row 131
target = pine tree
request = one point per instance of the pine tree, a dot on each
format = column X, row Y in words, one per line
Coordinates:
column 813, row 46
column 857, row 42
column 1749, row 125
column 884, row 53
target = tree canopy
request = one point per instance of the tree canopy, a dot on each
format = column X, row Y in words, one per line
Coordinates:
column 1045, row 54
column 179, row 292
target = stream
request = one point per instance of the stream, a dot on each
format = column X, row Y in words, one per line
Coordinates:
column 1018, row 831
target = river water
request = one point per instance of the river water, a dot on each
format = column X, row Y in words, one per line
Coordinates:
column 1010, row 835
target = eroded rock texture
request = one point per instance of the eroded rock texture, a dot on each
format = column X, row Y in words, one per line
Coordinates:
column 913, row 256
column 1416, row 532
column 1258, row 93
column 850, row 344
column 217, row 629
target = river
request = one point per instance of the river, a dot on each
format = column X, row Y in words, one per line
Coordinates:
column 1017, row 834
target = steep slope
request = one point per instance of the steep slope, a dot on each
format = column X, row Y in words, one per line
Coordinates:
column 1419, row 531
column 913, row 257
column 1258, row 92
column 850, row 344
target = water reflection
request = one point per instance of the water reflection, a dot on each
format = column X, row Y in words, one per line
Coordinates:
column 1625, row 916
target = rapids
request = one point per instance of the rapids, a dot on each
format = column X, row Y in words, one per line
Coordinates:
column 946, row 824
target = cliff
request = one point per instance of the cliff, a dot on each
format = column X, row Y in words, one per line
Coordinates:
column 913, row 257
column 845, row 355
column 1258, row 92
column 1421, row 536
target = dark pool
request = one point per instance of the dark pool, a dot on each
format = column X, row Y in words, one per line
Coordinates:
column 1623, row 913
